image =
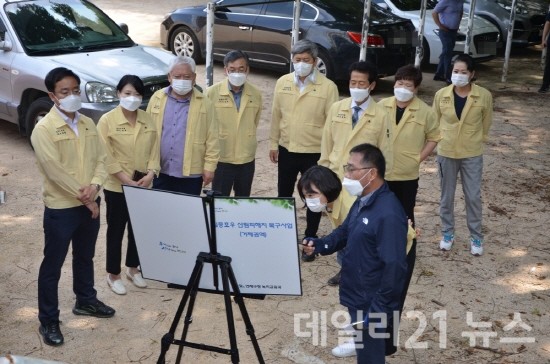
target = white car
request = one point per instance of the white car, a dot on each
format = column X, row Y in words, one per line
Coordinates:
column 39, row 35
column 485, row 36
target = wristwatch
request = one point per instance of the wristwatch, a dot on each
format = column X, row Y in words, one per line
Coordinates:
column 97, row 186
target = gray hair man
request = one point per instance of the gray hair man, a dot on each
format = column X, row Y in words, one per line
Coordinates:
column 301, row 102
column 238, row 106
column 188, row 131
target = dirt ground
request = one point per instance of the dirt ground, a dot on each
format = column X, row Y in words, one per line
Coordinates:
column 511, row 279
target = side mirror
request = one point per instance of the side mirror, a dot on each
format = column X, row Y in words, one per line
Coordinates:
column 124, row 27
column 5, row 45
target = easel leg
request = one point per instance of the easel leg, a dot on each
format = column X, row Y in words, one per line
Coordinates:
column 225, row 267
column 244, row 314
column 188, row 318
column 192, row 286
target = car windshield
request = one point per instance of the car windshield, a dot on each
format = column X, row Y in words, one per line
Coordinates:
column 412, row 5
column 51, row 27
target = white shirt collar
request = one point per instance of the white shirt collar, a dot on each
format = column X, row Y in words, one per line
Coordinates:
column 363, row 106
column 311, row 78
column 73, row 123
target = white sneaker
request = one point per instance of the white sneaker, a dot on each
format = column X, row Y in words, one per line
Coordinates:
column 446, row 242
column 137, row 279
column 476, row 247
column 344, row 350
column 116, row 286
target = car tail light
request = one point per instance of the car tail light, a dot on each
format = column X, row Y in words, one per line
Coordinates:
column 373, row 40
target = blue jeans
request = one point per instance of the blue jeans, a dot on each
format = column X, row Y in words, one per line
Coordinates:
column 448, row 40
column 61, row 227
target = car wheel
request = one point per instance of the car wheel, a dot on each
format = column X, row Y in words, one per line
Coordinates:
column 38, row 109
column 185, row 43
column 324, row 64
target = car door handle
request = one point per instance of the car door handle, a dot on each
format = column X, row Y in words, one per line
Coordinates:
column 244, row 27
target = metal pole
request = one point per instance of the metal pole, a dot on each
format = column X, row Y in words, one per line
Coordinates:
column 211, row 8
column 509, row 42
column 470, row 27
column 295, row 33
column 365, row 31
column 420, row 47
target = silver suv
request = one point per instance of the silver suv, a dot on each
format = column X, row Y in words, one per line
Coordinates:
column 39, row 35
column 528, row 23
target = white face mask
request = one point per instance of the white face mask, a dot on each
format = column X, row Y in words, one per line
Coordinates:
column 460, row 80
column 302, row 69
column 402, row 94
column 71, row 103
column 315, row 205
column 353, row 186
column 237, row 79
column 130, row 103
column 359, row 94
column 182, row 87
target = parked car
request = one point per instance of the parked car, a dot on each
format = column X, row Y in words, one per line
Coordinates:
column 39, row 35
column 528, row 23
column 485, row 36
column 262, row 30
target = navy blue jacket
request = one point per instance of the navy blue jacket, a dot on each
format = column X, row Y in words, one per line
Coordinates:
column 374, row 265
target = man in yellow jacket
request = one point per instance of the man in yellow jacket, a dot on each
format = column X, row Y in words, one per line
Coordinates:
column 238, row 106
column 188, row 131
column 352, row 121
column 71, row 160
column 413, row 135
column 301, row 102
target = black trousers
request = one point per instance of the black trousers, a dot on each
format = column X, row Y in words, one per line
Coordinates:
column 190, row 186
column 61, row 228
column 237, row 177
column 546, row 75
column 406, row 192
column 117, row 218
column 289, row 165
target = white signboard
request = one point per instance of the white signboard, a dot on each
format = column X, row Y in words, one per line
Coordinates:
column 170, row 232
column 259, row 235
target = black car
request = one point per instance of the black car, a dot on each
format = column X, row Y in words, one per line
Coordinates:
column 262, row 29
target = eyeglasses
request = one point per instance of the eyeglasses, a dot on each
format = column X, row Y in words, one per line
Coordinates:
column 350, row 169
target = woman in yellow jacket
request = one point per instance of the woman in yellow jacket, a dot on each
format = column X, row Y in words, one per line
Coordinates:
column 465, row 112
column 131, row 141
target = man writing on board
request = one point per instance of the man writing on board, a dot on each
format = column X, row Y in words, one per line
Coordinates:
column 375, row 237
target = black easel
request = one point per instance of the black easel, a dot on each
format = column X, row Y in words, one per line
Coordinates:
column 228, row 277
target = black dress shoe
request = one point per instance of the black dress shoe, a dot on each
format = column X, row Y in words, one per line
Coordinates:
column 308, row 258
column 51, row 333
column 543, row 90
column 97, row 309
column 334, row 281
column 439, row 78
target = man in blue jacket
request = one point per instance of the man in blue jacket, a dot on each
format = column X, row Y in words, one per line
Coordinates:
column 374, row 265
